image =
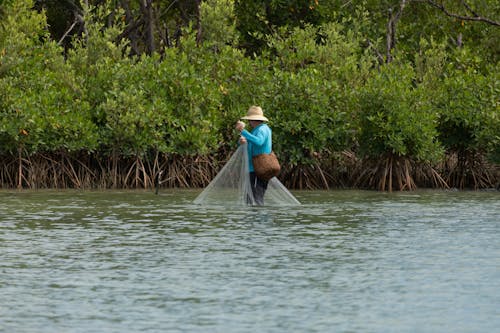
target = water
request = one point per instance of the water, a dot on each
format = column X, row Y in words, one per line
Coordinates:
column 344, row 261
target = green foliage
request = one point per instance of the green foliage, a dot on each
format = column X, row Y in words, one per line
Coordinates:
column 334, row 51
column 218, row 23
column 394, row 117
column 195, row 101
column 232, row 82
column 41, row 105
column 261, row 17
column 132, row 122
column 469, row 110
column 315, row 69
column 167, row 103
column 306, row 117
column 430, row 63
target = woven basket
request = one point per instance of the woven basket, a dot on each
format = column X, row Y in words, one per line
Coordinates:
column 266, row 166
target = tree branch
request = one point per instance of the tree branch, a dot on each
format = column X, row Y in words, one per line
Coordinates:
column 466, row 5
column 391, row 29
column 380, row 57
column 68, row 31
column 475, row 17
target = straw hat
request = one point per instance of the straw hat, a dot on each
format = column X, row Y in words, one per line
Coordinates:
column 255, row 113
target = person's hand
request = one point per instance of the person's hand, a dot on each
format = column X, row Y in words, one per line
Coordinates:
column 240, row 126
column 242, row 140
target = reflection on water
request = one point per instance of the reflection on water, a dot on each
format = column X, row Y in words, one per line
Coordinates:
column 343, row 261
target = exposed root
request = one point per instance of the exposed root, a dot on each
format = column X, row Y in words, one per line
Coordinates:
column 335, row 170
column 395, row 173
column 469, row 170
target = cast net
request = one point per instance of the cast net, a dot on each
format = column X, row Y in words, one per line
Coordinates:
column 231, row 186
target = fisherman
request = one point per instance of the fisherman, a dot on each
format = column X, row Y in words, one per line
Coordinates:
column 259, row 142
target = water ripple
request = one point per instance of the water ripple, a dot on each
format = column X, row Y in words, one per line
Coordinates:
column 346, row 261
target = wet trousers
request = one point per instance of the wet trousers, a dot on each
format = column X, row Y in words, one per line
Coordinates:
column 259, row 188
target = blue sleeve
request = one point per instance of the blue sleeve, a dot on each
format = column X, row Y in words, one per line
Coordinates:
column 258, row 139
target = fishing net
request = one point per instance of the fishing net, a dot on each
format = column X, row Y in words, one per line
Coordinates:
column 231, row 186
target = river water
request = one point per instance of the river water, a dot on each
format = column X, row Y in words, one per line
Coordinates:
column 343, row 261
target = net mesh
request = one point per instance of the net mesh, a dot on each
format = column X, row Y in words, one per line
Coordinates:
column 231, row 186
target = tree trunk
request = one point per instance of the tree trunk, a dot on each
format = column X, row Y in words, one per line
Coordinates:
column 131, row 30
column 391, row 30
column 147, row 12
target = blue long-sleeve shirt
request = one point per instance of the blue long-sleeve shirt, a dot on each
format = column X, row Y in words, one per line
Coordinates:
column 259, row 142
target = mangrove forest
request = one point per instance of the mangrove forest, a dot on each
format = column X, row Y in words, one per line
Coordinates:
column 387, row 95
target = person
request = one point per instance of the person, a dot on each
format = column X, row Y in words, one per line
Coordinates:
column 259, row 141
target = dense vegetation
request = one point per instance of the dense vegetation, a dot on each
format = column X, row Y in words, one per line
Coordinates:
column 372, row 94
